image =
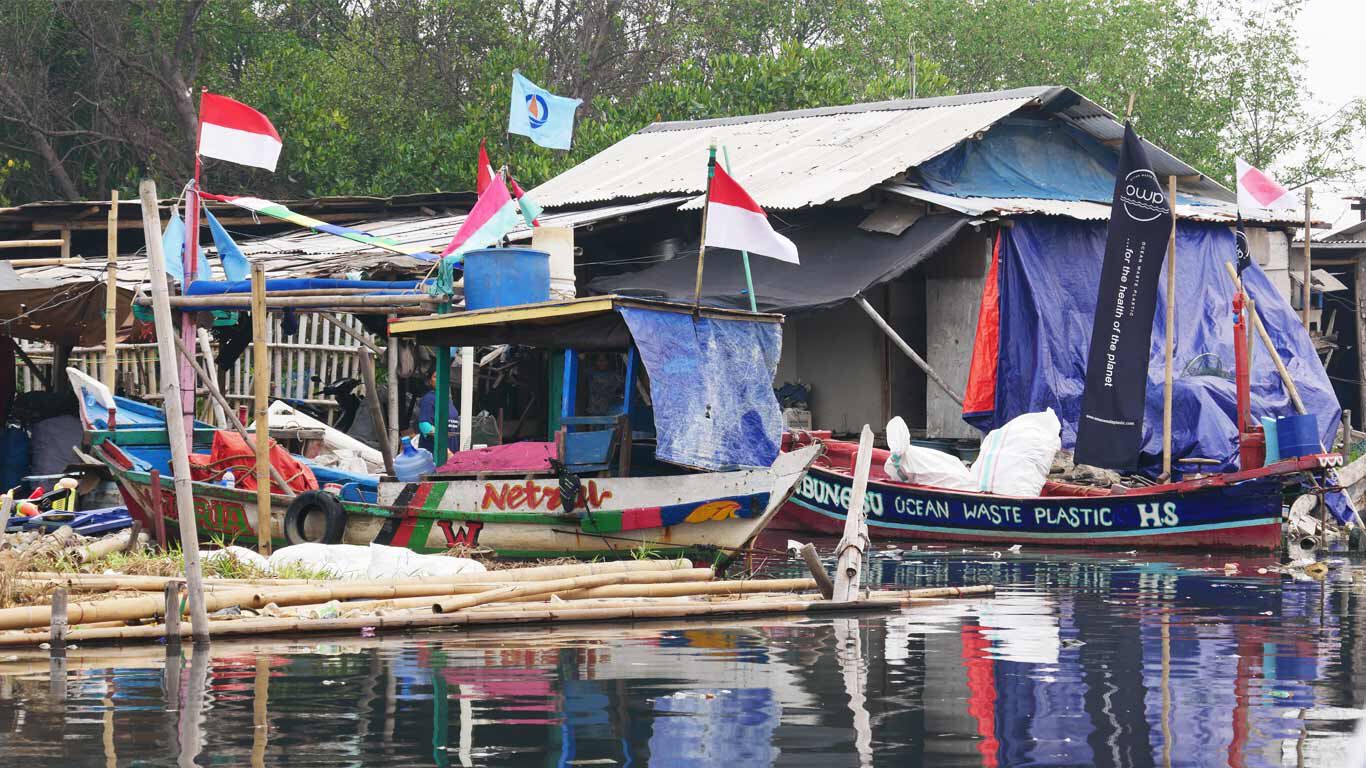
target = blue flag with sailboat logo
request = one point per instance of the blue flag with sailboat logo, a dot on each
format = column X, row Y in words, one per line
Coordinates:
column 540, row 115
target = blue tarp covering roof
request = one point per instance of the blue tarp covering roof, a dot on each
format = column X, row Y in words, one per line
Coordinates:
column 711, row 381
column 1036, row 159
column 1048, row 272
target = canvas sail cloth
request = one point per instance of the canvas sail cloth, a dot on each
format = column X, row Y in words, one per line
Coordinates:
column 1110, row 431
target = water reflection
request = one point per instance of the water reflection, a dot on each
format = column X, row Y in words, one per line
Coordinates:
column 1080, row 661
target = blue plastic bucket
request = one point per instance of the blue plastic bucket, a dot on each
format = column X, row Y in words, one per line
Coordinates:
column 1297, row 436
column 503, row 277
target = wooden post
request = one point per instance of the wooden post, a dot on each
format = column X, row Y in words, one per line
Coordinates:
column 1308, row 235
column 702, row 243
column 66, row 243
column 111, row 295
column 221, row 410
column 261, row 382
column 170, row 392
column 154, row 504
column 855, row 538
column 171, row 594
column 391, row 352
column 6, row 507
column 1169, row 338
column 1346, row 438
column 367, row 369
column 817, row 569
column 467, row 372
column 906, row 348
column 57, row 626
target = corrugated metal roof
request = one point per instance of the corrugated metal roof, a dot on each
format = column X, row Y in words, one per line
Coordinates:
column 1214, row 211
column 795, row 159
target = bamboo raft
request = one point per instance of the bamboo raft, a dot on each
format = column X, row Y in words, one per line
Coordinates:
column 589, row 592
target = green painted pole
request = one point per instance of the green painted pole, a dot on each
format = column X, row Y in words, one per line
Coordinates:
column 744, row 255
column 441, row 418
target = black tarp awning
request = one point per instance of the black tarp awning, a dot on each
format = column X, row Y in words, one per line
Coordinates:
column 839, row 261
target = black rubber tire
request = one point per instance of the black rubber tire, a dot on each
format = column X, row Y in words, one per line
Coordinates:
column 310, row 503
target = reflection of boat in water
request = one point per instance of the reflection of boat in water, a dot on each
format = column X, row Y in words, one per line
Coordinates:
column 589, row 493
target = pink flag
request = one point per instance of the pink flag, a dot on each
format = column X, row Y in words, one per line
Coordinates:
column 493, row 216
column 735, row 221
column 1258, row 191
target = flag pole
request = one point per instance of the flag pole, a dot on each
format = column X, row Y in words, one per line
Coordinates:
column 1169, row 337
column 190, row 265
column 702, row 244
column 744, row 255
column 1308, row 234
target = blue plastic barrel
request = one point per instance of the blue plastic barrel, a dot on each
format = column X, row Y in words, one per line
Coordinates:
column 503, row 277
column 1297, row 436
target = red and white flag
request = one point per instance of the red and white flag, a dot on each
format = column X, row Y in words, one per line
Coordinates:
column 230, row 130
column 483, row 175
column 735, row 221
column 1258, row 191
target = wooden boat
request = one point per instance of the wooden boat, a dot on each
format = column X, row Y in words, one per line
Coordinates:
column 1228, row 510
column 695, row 496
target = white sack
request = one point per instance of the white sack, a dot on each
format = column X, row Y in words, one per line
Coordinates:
column 338, row 561
column 922, row 466
column 240, row 554
column 373, row 562
column 401, row 563
column 1016, row 457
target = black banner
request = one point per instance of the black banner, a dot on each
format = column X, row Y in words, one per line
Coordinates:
column 1110, row 431
column 1240, row 245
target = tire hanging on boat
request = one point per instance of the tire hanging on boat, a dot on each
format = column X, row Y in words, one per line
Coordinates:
column 310, row 503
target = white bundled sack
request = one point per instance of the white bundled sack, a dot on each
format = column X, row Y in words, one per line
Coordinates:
column 400, row 563
column 922, row 466
column 336, row 561
column 1016, row 457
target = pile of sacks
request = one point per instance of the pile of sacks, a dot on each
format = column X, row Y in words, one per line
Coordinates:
column 375, row 562
column 1014, row 461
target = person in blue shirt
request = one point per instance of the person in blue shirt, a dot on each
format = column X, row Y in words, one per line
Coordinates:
column 425, row 423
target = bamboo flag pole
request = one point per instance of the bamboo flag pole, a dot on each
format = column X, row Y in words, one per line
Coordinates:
column 190, row 261
column 170, row 392
column 702, row 244
column 744, row 255
column 1305, row 287
column 391, row 352
column 855, row 538
column 261, row 385
column 221, row 410
column 111, row 295
column 1169, row 337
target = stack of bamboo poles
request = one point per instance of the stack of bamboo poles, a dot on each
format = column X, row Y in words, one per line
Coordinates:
column 634, row 590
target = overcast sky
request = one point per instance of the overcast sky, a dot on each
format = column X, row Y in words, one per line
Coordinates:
column 1331, row 36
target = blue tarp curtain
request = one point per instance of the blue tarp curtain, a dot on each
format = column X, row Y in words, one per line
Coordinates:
column 1028, row 158
column 1048, row 272
column 711, row 382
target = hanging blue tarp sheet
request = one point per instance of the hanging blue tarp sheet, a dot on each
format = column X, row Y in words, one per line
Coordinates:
column 1031, row 159
column 711, row 382
column 220, row 287
column 1048, row 271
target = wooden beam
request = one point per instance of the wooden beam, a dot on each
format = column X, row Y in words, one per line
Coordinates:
column 111, row 296
column 261, row 381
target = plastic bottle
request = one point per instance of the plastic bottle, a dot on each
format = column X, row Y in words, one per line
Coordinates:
column 413, row 462
column 229, row 480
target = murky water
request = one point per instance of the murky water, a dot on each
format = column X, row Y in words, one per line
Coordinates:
column 1080, row 660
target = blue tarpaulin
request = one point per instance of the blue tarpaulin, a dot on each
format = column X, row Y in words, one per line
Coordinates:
column 1031, row 159
column 711, row 382
column 1048, row 272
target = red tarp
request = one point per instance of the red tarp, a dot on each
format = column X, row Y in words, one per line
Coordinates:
column 231, row 452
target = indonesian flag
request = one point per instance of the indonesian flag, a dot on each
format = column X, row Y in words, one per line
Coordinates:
column 494, row 215
column 230, row 130
column 484, row 173
column 735, row 221
column 1257, row 191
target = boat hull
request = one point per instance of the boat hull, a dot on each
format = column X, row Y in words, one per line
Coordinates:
column 1227, row 513
column 697, row 515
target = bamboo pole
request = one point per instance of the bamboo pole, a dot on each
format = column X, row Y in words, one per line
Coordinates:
column 391, row 353
column 104, row 547
column 175, row 428
column 1270, row 346
column 855, row 538
column 1306, row 288
column 467, row 373
column 111, row 295
column 378, row 303
column 905, row 348
column 332, row 318
column 367, row 368
column 261, row 382
column 45, row 243
column 1169, row 337
column 451, row 605
column 643, row 609
column 211, row 384
column 818, row 573
column 221, row 411
column 702, row 240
